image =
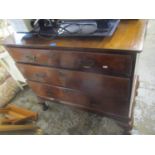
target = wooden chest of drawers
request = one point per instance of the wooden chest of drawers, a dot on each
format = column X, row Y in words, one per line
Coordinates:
column 95, row 74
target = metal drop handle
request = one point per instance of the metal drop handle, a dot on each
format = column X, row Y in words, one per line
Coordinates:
column 49, row 93
column 66, row 90
column 87, row 63
column 32, row 58
column 40, row 75
column 86, row 67
column 62, row 76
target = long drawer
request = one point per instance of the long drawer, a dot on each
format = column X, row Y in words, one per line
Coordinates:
column 76, row 60
column 100, row 88
column 89, row 82
column 80, row 99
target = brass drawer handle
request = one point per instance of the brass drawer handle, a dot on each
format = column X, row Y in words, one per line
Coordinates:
column 49, row 93
column 31, row 58
column 66, row 91
column 61, row 73
column 86, row 67
column 87, row 63
column 40, row 75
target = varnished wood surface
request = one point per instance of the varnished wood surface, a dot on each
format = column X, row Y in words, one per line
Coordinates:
column 75, row 60
column 128, row 36
column 90, row 73
column 93, row 84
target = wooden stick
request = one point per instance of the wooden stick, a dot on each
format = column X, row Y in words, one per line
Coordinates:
column 17, row 114
column 22, row 111
column 17, row 127
column 7, row 120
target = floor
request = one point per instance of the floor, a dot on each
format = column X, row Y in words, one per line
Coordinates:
column 61, row 119
column 144, row 115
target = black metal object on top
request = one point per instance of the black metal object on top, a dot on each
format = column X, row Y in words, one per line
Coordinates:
column 78, row 28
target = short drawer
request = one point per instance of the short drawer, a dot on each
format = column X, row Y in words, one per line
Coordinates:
column 80, row 99
column 75, row 60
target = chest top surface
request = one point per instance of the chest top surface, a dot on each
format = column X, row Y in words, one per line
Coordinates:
column 129, row 36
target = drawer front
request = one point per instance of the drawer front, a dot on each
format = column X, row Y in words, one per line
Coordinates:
column 59, row 93
column 80, row 99
column 102, row 91
column 88, row 82
column 83, row 61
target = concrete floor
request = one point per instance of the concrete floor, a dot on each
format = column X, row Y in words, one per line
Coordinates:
column 144, row 114
column 61, row 119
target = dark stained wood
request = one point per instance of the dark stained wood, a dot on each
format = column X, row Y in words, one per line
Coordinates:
column 128, row 36
column 96, row 85
column 91, row 62
column 95, row 74
column 109, row 104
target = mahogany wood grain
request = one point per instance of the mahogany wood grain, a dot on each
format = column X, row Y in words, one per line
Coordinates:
column 91, row 62
column 95, row 74
column 128, row 36
column 117, row 104
column 101, row 87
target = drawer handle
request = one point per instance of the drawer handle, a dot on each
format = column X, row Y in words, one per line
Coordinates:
column 40, row 75
column 49, row 93
column 105, row 67
column 87, row 67
column 62, row 75
column 66, row 91
column 31, row 58
column 87, row 63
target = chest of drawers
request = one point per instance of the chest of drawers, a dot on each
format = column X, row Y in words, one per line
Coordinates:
column 95, row 74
